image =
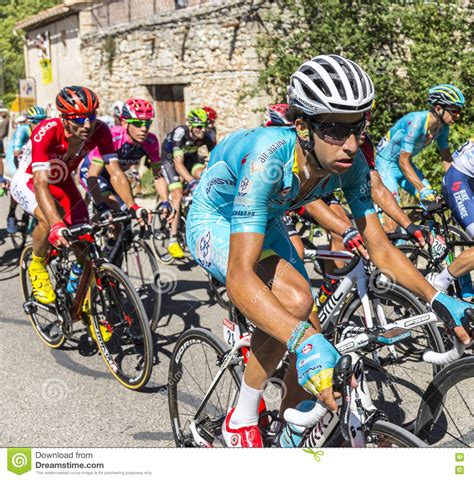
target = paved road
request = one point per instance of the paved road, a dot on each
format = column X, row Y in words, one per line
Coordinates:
column 60, row 398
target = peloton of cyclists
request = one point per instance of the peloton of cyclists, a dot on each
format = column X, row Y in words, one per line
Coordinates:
column 235, row 232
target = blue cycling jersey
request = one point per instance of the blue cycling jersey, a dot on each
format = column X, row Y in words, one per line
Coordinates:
column 410, row 134
column 252, row 178
column 21, row 136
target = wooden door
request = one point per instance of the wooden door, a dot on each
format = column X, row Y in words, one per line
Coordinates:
column 169, row 104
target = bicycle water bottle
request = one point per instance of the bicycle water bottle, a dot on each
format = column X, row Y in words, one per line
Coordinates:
column 292, row 434
column 74, row 276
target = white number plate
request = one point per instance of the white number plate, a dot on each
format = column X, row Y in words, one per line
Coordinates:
column 231, row 332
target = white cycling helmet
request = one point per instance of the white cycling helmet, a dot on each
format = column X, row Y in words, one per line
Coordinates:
column 117, row 108
column 330, row 84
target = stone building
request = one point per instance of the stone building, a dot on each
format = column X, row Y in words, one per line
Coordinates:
column 178, row 53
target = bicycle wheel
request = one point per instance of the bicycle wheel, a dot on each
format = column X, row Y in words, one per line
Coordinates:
column 382, row 435
column 141, row 266
column 160, row 239
column 420, row 258
column 446, row 414
column 396, row 375
column 43, row 317
column 218, row 292
column 194, row 367
column 118, row 313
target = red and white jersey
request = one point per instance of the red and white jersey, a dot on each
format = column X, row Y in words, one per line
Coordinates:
column 48, row 147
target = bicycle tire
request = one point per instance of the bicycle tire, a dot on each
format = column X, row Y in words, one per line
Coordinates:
column 218, row 292
column 403, row 373
column 160, row 237
column 116, row 315
column 384, row 432
column 199, row 338
column 429, row 424
column 144, row 279
column 53, row 341
column 418, row 256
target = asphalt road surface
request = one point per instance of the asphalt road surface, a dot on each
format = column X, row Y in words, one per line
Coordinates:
column 59, row 398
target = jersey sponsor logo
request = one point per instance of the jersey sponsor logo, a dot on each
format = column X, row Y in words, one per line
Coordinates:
column 178, row 134
column 204, row 253
column 460, row 197
column 43, row 130
column 218, row 181
column 242, row 213
column 307, row 348
column 256, row 167
column 263, row 157
column 456, row 186
column 244, row 187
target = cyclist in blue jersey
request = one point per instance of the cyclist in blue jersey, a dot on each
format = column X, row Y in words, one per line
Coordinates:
column 410, row 135
column 234, row 230
column 25, row 125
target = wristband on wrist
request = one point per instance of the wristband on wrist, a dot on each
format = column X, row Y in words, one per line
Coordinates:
column 297, row 335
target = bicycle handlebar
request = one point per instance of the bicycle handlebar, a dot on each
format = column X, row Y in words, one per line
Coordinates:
column 341, row 272
column 447, row 357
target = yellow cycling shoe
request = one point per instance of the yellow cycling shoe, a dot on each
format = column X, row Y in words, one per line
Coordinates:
column 104, row 331
column 40, row 281
column 175, row 250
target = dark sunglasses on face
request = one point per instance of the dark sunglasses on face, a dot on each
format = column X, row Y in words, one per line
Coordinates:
column 140, row 123
column 337, row 133
column 81, row 119
column 200, row 127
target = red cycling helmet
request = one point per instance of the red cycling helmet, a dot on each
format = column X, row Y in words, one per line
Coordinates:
column 275, row 115
column 211, row 114
column 76, row 100
column 138, row 108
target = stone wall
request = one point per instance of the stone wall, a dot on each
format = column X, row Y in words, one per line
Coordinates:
column 211, row 49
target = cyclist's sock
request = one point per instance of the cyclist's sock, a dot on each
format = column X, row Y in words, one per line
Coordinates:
column 443, row 280
column 37, row 261
column 246, row 411
column 173, row 239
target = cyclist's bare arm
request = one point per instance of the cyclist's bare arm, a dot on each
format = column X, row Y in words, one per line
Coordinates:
column 243, row 285
column 396, row 265
column 409, row 172
column 386, row 201
column 161, row 186
column 330, row 221
column 120, row 182
column 181, row 169
column 93, row 182
column 462, row 264
column 46, row 201
column 326, row 217
column 446, row 158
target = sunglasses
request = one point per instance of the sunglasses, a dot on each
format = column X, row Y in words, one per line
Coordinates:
column 200, row 127
column 337, row 133
column 139, row 123
column 81, row 119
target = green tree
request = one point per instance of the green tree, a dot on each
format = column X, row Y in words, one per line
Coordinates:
column 11, row 43
column 405, row 46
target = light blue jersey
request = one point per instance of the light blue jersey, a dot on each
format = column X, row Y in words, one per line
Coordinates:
column 409, row 134
column 250, row 182
column 21, row 136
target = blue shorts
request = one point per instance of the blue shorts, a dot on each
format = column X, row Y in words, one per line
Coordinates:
column 393, row 178
column 457, row 192
column 209, row 245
